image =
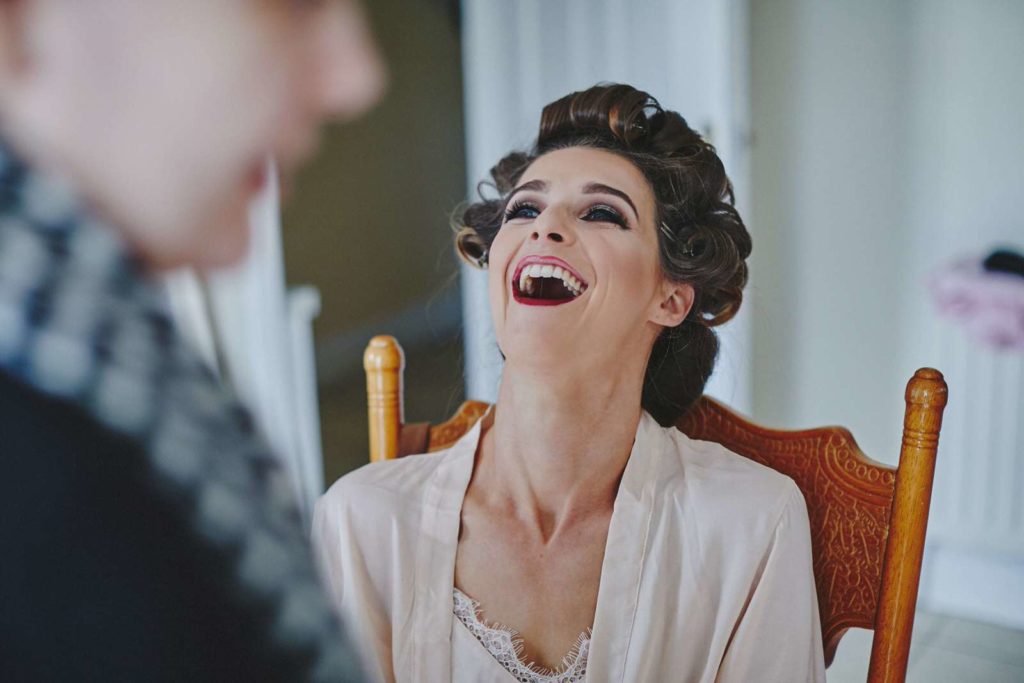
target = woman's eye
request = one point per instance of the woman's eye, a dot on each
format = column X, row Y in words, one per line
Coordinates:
column 605, row 214
column 521, row 210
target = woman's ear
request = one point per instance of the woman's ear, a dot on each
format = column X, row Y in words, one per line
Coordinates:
column 675, row 302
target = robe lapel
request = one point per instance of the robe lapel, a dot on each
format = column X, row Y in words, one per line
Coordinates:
column 431, row 613
column 624, row 557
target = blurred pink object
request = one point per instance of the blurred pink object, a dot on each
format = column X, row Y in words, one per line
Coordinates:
column 989, row 304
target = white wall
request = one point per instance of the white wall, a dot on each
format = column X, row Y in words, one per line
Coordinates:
column 965, row 186
column 828, row 166
column 966, row 139
column 889, row 138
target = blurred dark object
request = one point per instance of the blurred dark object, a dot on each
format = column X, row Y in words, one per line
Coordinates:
column 103, row 578
column 1004, row 261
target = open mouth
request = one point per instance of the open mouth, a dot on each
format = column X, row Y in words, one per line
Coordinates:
column 546, row 281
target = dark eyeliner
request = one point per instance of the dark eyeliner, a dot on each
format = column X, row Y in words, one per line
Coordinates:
column 517, row 206
column 611, row 215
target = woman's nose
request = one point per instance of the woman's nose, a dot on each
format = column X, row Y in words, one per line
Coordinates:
column 550, row 227
column 351, row 75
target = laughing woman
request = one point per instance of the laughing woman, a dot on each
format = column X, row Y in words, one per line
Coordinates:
column 617, row 548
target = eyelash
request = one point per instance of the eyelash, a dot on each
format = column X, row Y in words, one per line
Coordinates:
column 513, row 211
column 611, row 215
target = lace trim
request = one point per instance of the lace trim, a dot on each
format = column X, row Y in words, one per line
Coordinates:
column 506, row 646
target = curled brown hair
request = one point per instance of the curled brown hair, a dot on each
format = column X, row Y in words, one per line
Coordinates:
column 701, row 238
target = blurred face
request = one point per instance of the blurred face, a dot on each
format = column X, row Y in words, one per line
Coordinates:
column 574, row 272
column 165, row 112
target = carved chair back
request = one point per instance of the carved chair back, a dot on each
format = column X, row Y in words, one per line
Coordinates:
column 867, row 520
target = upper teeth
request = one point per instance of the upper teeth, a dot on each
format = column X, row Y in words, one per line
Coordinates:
column 538, row 270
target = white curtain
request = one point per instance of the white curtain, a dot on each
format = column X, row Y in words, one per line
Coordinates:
column 258, row 336
column 518, row 56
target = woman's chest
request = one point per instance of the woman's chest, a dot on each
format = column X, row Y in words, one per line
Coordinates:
column 547, row 592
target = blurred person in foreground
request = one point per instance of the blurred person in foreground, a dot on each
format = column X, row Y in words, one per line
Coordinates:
column 147, row 532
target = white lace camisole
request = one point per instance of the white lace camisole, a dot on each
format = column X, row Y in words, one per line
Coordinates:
column 506, row 646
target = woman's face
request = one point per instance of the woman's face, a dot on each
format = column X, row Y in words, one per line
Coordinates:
column 164, row 112
column 574, row 272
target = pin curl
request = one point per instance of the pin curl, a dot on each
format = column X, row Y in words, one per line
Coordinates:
column 688, row 250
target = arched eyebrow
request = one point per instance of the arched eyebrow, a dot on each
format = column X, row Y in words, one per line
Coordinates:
column 601, row 188
column 590, row 188
column 533, row 185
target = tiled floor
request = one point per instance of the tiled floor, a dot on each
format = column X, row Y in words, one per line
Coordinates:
column 944, row 650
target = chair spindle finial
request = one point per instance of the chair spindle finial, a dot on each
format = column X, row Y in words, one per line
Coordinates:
column 384, row 363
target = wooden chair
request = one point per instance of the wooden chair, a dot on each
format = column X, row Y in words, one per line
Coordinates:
column 868, row 520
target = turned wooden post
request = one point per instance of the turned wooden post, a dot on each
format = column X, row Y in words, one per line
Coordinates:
column 926, row 398
column 384, row 363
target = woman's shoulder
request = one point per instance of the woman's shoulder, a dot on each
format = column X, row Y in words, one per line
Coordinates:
column 734, row 501
column 399, row 487
column 714, row 472
column 399, row 477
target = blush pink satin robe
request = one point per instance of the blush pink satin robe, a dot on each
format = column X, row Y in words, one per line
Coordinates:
column 706, row 575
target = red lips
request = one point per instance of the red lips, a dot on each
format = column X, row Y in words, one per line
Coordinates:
column 519, row 297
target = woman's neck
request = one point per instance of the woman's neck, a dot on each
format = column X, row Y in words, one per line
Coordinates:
column 559, row 444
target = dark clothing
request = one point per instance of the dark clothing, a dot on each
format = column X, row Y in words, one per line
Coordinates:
column 102, row 577
column 147, row 532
